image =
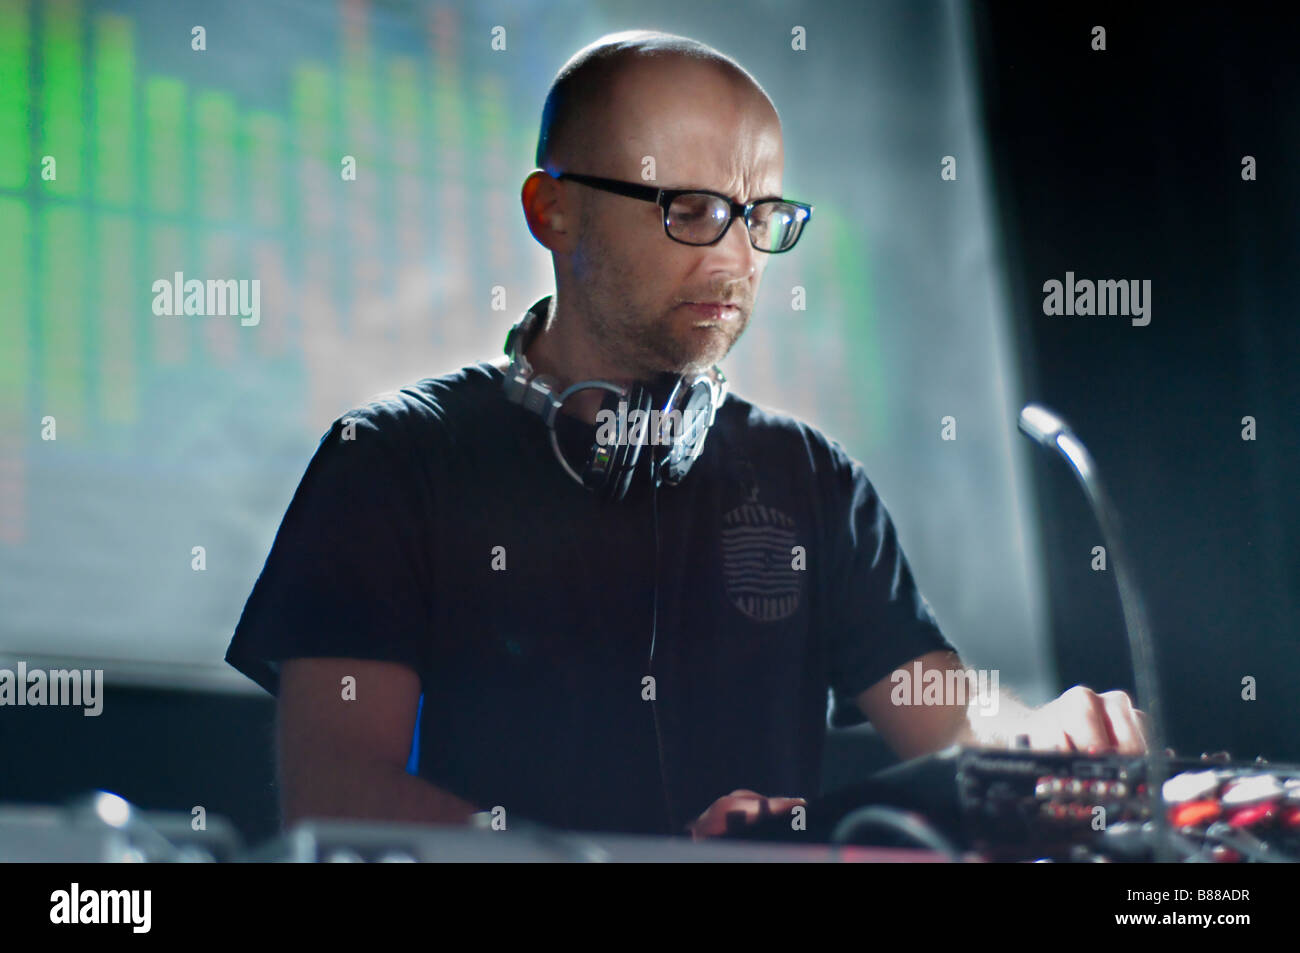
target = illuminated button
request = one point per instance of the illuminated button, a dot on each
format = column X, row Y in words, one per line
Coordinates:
column 1252, row 790
column 1192, row 813
column 1250, row 816
column 1190, row 786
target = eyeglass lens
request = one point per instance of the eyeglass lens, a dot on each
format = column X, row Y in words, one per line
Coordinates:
column 698, row 219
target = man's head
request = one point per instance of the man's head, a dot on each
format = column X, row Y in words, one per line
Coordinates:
column 627, row 105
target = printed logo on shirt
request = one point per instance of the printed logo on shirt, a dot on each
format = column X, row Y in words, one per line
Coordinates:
column 758, row 561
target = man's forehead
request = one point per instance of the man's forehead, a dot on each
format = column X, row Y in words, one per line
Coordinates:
column 701, row 125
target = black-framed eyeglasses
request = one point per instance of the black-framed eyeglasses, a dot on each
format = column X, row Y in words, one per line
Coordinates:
column 701, row 217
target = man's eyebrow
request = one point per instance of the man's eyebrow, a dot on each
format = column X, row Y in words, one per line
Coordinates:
column 705, row 188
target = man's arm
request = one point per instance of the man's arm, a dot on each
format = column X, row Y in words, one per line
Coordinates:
column 914, row 730
column 1078, row 720
column 347, row 758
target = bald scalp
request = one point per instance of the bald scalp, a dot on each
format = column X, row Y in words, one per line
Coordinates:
column 576, row 118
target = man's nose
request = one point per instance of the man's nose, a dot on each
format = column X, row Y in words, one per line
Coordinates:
column 734, row 256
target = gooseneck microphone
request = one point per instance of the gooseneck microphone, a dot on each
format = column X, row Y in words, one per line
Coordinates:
column 1055, row 434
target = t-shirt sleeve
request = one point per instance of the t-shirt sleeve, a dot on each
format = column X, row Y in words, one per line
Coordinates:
column 878, row 618
column 347, row 574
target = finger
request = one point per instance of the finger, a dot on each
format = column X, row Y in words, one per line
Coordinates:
column 1144, row 725
column 784, row 805
column 714, row 820
column 711, row 823
column 1121, row 716
column 1086, row 722
column 750, row 804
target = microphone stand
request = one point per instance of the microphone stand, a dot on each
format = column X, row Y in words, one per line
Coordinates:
column 1052, row 432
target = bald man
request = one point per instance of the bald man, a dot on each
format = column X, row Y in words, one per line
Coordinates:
column 600, row 653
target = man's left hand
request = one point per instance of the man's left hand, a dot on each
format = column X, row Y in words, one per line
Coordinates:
column 1082, row 720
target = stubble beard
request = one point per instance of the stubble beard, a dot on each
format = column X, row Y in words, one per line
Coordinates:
column 651, row 343
column 645, row 342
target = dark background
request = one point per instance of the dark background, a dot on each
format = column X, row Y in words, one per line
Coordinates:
column 1127, row 164
column 1117, row 164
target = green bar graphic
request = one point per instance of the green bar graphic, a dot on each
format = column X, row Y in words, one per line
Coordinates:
column 492, row 139
column 18, row 425
column 311, row 99
column 315, row 154
column 15, row 267
column 165, row 150
column 358, row 91
column 118, row 310
column 61, row 114
column 264, row 145
column 169, row 334
column 847, row 273
column 216, row 168
column 15, row 94
column 361, row 139
column 403, row 192
column 63, row 317
column 113, row 87
column 404, row 111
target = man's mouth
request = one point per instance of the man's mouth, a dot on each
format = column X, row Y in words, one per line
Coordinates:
column 712, row 311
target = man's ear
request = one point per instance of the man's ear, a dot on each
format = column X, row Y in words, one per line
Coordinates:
column 545, row 211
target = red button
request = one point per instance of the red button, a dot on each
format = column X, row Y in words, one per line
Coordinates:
column 1249, row 816
column 1191, row 813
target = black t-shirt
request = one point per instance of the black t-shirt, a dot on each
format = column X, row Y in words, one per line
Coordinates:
column 444, row 535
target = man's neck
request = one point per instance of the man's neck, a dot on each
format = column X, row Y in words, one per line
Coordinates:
column 559, row 351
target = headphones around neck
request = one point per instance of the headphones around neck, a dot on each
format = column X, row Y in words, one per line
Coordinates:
column 669, row 417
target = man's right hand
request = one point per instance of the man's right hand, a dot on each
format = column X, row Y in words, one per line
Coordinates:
column 713, row 822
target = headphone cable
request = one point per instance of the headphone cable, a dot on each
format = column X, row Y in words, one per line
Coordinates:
column 654, row 630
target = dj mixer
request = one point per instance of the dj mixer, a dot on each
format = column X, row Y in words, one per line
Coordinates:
column 1032, row 805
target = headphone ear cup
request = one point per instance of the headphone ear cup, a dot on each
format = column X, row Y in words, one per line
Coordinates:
column 698, row 407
